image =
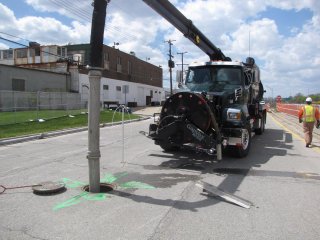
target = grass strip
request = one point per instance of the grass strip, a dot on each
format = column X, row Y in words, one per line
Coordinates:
column 25, row 116
column 28, row 128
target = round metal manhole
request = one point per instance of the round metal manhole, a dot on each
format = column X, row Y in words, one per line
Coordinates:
column 104, row 188
column 48, row 187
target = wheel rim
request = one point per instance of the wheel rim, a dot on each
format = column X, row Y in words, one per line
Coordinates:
column 245, row 139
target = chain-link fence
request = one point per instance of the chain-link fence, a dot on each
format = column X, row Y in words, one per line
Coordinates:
column 17, row 107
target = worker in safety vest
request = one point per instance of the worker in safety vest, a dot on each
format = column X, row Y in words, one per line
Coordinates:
column 309, row 114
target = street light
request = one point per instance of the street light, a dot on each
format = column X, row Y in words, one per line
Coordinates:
column 147, row 59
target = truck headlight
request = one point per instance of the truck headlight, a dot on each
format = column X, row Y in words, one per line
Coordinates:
column 233, row 114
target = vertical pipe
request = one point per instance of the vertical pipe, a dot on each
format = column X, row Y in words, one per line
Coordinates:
column 96, row 49
column 94, row 131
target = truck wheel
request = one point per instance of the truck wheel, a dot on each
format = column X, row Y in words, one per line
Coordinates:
column 243, row 150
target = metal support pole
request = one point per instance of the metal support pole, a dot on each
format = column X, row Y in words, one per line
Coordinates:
column 94, row 131
column 96, row 50
column 123, row 108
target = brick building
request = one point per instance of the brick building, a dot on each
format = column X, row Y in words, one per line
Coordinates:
column 125, row 78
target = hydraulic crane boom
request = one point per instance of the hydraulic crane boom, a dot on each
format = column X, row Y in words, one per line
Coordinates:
column 185, row 25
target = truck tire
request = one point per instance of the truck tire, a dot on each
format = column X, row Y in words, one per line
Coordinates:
column 243, row 150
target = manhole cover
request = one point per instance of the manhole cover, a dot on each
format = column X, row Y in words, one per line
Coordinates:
column 48, row 187
column 104, row 188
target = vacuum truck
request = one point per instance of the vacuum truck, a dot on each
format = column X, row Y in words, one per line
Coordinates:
column 219, row 103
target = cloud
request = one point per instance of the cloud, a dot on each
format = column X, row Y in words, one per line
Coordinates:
column 283, row 59
column 52, row 31
column 257, row 38
column 3, row 46
column 7, row 18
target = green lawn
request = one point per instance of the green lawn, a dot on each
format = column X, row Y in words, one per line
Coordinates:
column 26, row 116
column 27, row 128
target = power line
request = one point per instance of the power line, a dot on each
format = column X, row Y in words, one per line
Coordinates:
column 8, row 40
column 86, row 17
column 15, row 36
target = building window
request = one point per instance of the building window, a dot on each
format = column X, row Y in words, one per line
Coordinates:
column 22, row 53
column 151, row 93
column 31, row 52
column 119, row 67
column 37, row 51
column 18, row 85
column 7, row 54
column 62, row 52
column 118, row 88
column 34, row 52
column 106, row 61
column 105, row 87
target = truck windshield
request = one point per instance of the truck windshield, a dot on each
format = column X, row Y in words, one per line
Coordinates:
column 213, row 78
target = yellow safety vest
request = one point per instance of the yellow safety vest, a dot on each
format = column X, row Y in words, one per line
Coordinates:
column 308, row 113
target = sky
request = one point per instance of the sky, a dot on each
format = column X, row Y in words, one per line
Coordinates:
column 282, row 35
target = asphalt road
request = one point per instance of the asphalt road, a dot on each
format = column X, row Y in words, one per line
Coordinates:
column 156, row 196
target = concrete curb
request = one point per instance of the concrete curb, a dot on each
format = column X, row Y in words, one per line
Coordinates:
column 9, row 141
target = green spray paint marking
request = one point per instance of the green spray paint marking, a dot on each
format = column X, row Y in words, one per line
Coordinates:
column 86, row 196
column 109, row 178
column 70, row 202
column 96, row 197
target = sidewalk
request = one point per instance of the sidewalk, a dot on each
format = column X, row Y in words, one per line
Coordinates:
column 146, row 111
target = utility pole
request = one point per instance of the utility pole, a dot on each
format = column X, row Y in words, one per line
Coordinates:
column 170, row 64
column 181, row 77
column 95, row 69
